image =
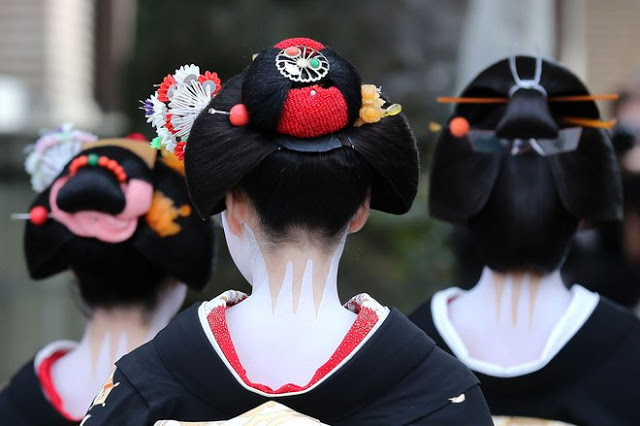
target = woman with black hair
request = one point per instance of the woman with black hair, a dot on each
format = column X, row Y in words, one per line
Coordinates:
column 293, row 152
column 119, row 218
column 523, row 162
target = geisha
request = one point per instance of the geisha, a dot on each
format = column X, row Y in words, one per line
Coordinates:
column 293, row 152
column 523, row 162
column 117, row 215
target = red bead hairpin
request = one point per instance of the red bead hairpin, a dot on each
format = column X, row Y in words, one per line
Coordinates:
column 94, row 160
column 238, row 115
column 38, row 215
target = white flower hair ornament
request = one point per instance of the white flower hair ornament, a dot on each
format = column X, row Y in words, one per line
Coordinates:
column 176, row 104
column 52, row 151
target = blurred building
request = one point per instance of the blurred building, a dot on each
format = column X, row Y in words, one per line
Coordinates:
column 597, row 40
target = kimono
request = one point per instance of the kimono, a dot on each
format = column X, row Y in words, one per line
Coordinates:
column 385, row 372
column 589, row 377
column 30, row 398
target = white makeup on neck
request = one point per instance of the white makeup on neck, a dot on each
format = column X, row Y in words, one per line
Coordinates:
column 109, row 335
column 294, row 320
column 507, row 319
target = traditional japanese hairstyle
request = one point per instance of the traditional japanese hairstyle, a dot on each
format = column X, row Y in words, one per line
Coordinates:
column 296, row 127
column 524, row 158
column 116, row 215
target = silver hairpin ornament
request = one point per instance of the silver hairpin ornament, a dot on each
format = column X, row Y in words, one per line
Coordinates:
column 217, row 111
column 532, row 84
column 302, row 64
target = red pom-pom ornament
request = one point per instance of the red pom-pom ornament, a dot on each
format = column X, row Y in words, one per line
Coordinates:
column 38, row 215
column 238, row 115
column 459, row 127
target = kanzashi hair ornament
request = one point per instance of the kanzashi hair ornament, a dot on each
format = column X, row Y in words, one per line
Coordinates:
column 502, row 100
column 38, row 215
column 531, row 84
column 93, row 160
column 238, row 115
column 302, row 64
column 173, row 108
column 48, row 156
column 372, row 106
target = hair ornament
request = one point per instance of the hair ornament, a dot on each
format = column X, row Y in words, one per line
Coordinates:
column 48, row 156
column 162, row 215
column 372, row 106
column 173, row 108
column 502, row 100
column 459, row 127
column 171, row 159
column 93, row 160
column 302, row 64
column 238, row 114
column 38, row 215
column 532, row 84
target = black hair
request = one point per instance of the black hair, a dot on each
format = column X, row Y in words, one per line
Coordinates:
column 110, row 275
column 264, row 89
column 318, row 191
column 522, row 210
column 132, row 271
column 523, row 225
column 96, row 188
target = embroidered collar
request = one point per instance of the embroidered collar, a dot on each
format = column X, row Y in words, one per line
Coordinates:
column 43, row 364
column 213, row 320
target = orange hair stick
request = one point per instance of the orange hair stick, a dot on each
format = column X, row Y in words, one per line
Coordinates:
column 583, row 98
column 589, row 122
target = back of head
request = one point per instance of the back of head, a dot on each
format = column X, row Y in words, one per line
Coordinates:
column 307, row 154
column 529, row 165
column 120, row 219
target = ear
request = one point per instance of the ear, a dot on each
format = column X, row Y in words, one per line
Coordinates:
column 361, row 216
column 238, row 211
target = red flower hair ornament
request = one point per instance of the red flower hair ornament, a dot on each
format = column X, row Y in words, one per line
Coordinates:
column 310, row 109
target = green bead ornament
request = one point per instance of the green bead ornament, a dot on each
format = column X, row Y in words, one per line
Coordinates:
column 92, row 159
column 314, row 63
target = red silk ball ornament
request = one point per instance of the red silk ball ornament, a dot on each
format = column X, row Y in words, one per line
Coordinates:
column 238, row 115
column 313, row 111
column 459, row 127
column 38, row 215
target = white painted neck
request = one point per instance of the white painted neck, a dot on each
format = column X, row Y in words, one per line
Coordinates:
column 109, row 334
column 506, row 319
column 293, row 320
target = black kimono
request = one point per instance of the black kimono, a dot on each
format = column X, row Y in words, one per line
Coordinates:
column 398, row 377
column 594, row 380
column 23, row 403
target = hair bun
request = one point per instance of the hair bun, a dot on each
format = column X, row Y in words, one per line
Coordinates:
column 302, row 89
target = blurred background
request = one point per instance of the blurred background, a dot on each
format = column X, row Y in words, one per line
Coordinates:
column 88, row 62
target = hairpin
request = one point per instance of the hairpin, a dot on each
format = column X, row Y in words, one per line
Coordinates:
column 502, row 100
column 176, row 104
column 38, row 215
column 94, row 160
column 52, row 151
column 372, row 106
column 589, row 122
